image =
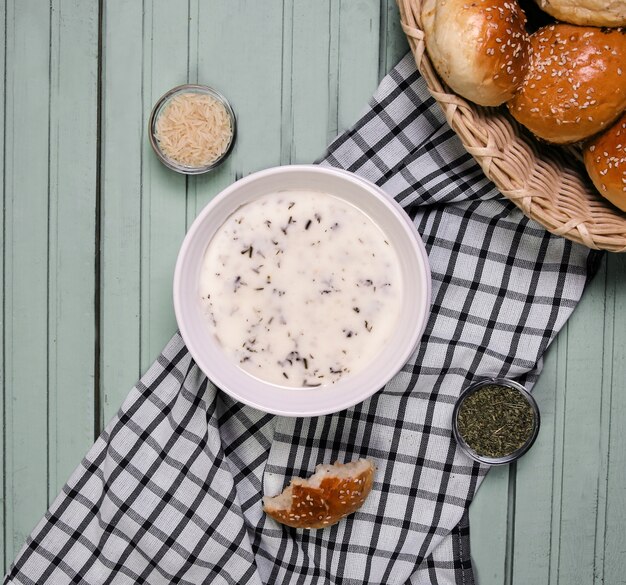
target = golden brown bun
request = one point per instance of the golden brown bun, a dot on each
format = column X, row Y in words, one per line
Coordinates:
column 575, row 85
column 587, row 12
column 605, row 159
column 334, row 491
column 479, row 47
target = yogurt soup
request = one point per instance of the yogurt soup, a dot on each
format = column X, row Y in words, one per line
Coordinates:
column 301, row 288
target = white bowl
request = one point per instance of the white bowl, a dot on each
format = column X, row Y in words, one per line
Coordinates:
column 352, row 389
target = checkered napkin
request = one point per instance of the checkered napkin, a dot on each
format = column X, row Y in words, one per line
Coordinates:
column 171, row 491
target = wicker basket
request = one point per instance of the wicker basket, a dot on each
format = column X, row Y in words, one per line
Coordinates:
column 548, row 183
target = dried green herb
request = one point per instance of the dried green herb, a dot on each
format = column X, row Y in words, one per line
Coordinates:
column 495, row 421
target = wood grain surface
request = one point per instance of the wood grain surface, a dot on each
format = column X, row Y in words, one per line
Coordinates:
column 91, row 224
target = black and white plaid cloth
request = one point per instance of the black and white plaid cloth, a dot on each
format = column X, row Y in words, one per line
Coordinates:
column 171, row 491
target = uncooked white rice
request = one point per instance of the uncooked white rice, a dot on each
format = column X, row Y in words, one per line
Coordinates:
column 194, row 129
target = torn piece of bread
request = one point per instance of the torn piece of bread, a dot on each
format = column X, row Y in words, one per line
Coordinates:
column 331, row 493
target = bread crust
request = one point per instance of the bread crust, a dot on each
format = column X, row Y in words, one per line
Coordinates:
column 323, row 506
column 587, row 12
column 479, row 47
column 605, row 160
column 575, row 85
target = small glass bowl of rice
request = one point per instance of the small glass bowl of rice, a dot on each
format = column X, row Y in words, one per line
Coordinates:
column 192, row 129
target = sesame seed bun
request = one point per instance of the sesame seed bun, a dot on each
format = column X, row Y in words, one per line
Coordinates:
column 479, row 47
column 587, row 12
column 575, row 85
column 605, row 159
column 330, row 494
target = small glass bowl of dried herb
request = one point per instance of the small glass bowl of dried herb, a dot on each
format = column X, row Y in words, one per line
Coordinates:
column 495, row 421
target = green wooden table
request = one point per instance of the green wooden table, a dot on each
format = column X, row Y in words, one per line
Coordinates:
column 92, row 223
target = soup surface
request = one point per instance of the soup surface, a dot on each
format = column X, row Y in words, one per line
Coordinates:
column 301, row 288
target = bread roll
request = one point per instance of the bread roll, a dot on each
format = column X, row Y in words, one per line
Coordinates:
column 332, row 492
column 587, row 12
column 605, row 159
column 479, row 48
column 575, row 85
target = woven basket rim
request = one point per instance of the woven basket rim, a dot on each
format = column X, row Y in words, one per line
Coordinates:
column 548, row 183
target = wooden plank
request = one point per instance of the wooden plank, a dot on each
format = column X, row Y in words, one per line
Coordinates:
column 287, row 82
column 488, row 527
column 581, row 436
column 560, row 483
column 3, row 392
column 163, row 196
column 557, row 459
column 249, row 75
column 611, row 567
column 353, row 61
column 333, row 71
column 122, row 158
column 607, row 416
column 26, row 268
column 539, row 475
column 306, row 133
column 393, row 43
column 193, row 34
column 358, row 61
column 71, row 318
